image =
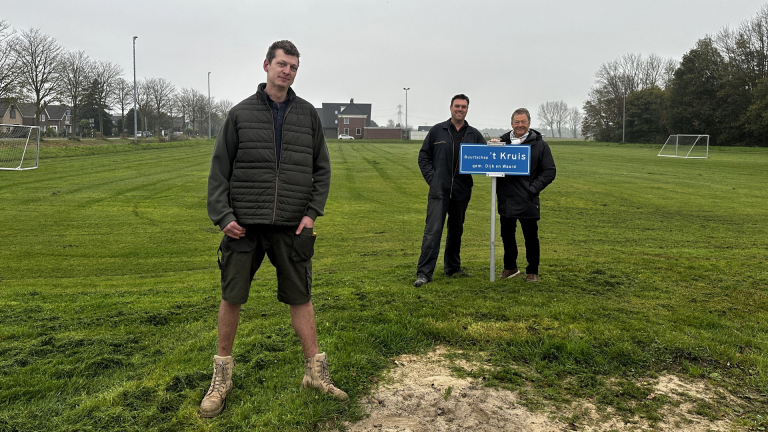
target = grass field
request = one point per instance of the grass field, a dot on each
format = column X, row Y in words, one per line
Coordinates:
column 109, row 288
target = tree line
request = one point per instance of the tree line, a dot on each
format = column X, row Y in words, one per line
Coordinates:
column 35, row 68
column 719, row 88
column 556, row 116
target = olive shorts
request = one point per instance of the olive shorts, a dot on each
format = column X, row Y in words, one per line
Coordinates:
column 290, row 254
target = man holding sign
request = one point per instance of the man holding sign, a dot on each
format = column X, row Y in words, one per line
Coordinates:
column 449, row 191
column 519, row 197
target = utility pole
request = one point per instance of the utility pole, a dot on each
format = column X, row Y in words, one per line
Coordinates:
column 135, row 114
column 407, row 131
column 624, row 117
column 209, row 105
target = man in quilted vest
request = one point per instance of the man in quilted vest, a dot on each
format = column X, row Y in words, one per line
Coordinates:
column 269, row 180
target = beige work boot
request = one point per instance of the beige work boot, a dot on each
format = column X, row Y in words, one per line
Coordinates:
column 316, row 375
column 221, row 384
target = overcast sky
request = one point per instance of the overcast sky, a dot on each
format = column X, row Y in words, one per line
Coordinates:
column 502, row 54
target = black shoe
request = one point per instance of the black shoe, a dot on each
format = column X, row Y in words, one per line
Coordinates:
column 420, row 280
column 459, row 273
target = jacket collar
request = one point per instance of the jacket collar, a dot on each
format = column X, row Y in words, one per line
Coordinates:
column 447, row 124
column 533, row 135
column 263, row 95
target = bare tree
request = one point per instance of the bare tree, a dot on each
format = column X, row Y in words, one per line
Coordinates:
column 547, row 115
column 160, row 92
column 222, row 107
column 37, row 56
column 75, row 75
column 559, row 116
column 656, row 71
column 219, row 114
column 123, row 98
column 746, row 48
column 143, row 101
column 7, row 60
column 194, row 107
column 200, row 109
column 174, row 106
column 183, row 100
column 105, row 75
column 614, row 81
column 631, row 72
column 210, row 115
column 187, row 106
column 574, row 121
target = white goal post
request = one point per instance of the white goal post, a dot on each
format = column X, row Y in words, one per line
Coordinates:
column 686, row 146
column 19, row 147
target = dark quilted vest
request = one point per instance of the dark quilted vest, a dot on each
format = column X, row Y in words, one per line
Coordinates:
column 260, row 192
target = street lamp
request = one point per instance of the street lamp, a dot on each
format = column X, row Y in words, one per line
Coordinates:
column 407, row 132
column 135, row 114
column 209, row 105
column 624, row 117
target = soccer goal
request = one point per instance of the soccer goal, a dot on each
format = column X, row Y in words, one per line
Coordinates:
column 686, row 146
column 19, row 147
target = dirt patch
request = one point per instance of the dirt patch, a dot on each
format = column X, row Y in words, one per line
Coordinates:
column 421, row 394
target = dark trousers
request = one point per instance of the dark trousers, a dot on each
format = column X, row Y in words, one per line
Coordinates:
column 530, row 229
column 437, row 209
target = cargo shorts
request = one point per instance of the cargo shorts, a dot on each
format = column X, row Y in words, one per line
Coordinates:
column 290, row 254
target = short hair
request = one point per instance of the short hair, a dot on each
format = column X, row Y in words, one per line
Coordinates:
column 460, row 96
column 521, row 111
column 287, row 46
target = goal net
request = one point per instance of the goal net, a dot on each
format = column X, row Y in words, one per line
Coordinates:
column 686, row 146
column 19, row 147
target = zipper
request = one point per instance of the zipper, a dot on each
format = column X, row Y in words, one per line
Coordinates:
column 277, row 162
column 453, row 154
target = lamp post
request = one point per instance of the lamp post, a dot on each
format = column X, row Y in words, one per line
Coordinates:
column 135, row 114
column 623, row 117
column 209, row 105
column 407, row 132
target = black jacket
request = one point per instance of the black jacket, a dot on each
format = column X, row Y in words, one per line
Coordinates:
column 436, row 162
column 519, row 195
column 245, row 182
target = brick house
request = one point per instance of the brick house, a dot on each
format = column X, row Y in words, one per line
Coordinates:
column 357, row 115
column 353, row 119
column 56, row 117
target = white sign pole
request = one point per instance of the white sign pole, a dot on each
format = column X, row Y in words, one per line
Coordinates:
column 493, row 177
column 493, row 229
column 506, row 164
column 493, row 224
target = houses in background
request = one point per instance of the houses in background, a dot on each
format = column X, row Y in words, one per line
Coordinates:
column 56, row 118
column 353, row 119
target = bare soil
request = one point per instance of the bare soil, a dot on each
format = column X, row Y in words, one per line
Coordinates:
column 420, row 394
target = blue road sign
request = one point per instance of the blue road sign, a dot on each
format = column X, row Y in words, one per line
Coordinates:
column 508, row 159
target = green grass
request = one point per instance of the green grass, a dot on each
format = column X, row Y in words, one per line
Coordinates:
column 109, row 288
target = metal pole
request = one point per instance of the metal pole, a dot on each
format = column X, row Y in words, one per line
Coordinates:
column 209, row 105
column 135, row 114
column 407, row 132
column 623, row 118
column 493, row 229
column 493, row 177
